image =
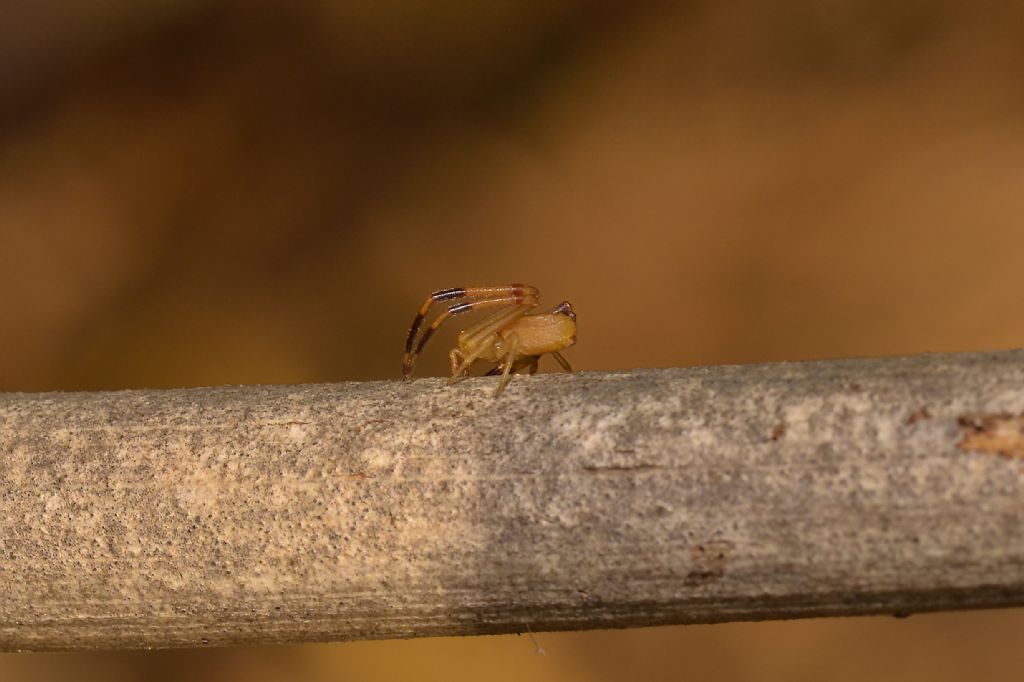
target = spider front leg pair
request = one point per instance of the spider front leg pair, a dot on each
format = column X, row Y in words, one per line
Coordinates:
column 513, row 336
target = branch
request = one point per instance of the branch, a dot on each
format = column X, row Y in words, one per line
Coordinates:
column 268, row 514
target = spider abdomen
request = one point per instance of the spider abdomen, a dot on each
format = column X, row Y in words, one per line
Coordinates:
column 543, row 333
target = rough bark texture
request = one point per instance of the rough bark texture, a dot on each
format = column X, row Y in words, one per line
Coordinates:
column 369, row 510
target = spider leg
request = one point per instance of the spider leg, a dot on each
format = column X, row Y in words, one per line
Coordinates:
column 457, row 309
column 529, row 362
column 463, row 292
column 456, row 358
column 510, row 358
column 462, row 371
column 562, row 361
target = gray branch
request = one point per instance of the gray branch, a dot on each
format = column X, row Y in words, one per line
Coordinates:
column 372, row 510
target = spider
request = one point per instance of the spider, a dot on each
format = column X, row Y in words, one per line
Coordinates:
column 512, row 336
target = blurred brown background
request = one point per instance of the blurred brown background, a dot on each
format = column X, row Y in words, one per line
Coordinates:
column 216, row 191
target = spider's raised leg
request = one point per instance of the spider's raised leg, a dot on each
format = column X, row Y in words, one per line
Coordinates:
column 528, row 298
column 533, row 364
column 562, row 361
column 464, row 292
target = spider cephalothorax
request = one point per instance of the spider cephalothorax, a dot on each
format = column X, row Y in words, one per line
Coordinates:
column 513, row 337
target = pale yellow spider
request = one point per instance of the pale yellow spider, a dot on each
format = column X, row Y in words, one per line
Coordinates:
column 513, row 337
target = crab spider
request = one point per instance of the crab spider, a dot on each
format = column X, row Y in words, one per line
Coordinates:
column 512, row 336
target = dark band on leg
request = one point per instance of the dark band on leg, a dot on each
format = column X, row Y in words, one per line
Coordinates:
column 441, row 295
column 456, row 309
column 448, row 294
column 461, row 308
column 412, row 332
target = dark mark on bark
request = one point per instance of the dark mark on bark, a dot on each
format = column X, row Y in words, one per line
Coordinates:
column 779, row 431
column 710, row 560
column 918, row 415
column 618, row 468
column 998, row 434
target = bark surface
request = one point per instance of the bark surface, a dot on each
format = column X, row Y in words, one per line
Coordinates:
column 265, row 514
